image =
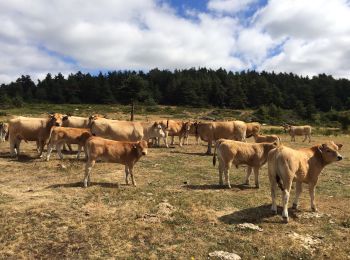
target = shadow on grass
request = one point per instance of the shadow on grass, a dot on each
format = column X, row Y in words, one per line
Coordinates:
column 199, row 154
column 258, row 214
column 218, row 187
column 80, row 184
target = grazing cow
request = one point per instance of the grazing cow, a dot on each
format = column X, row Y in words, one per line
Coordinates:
column 266, row 138
column 126, row 130
column 31, row 129
column 126, row 153
column 303, row 166
column 298, row 130
column 4, row 127
column 233, row 152
column 212, row 131
column 174, row 128
column 61, row 135
column 252, row 129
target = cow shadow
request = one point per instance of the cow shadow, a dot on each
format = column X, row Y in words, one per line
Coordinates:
column 81, row 185
column 218, row 187
column 255, row 215
column 195, row 153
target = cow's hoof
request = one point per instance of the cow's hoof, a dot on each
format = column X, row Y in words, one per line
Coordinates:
column 285, row 220
column 257, row 186
column 229, row 186
column 314, row 209
column 295, row 206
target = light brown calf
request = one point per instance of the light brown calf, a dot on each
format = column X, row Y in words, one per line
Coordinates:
column 266, row 138
column 233, row 152
column 298, row 130
column 303, row 166
column 67, row 135
column 126, row 153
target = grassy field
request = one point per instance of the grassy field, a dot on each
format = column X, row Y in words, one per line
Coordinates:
column 177, row 211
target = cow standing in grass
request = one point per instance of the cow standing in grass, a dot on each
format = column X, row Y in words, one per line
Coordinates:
column 298, row 130
column 126, row 153
column 303, row 166
column 233, row 152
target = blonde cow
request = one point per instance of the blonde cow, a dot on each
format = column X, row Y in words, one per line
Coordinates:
column 233, row 152
column 31, row 129
column 303, row 166
column 298, row 130
column 212, row 131
column 126, row 153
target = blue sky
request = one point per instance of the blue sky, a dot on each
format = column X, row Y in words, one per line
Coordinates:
column 302, row 37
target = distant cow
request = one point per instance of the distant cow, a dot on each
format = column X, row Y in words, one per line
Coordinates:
column 266, row 138
column 233, row 152
column 126, row 130
column 174, row 128
column 303, row 166
column 252, row 129
column 61, row 135
column 31, row 129
column 4, row 127
column 298, row 130
column 212, row 131
column 126, row 153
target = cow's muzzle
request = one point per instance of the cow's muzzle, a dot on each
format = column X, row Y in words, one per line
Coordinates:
column 340, row 157
column 57, row 124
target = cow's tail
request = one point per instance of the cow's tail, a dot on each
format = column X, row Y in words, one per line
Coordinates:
column 214, row 155
column 279, row 182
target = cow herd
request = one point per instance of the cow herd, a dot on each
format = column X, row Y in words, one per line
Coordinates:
column 125, row 142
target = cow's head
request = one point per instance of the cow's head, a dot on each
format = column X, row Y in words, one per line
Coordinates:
column 55, row 119
column 65, row 117
column 157, row 130
column 141, row 147
column 286, row 127
column 186, row 128
column 330, row 152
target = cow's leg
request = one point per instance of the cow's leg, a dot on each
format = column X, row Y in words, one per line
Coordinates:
column 41, row 144
column 197, row 139
column 285, row 197
column 249, row 172
column 131, row 171
column 17, row 146
column 256, row 176
column 172, row 140
column 180, row 140
column 221, row 171
column 298, row 190
column 309, row 138
column 209, row 146
column 79, row 151
column 227, row 175
column 86, row 154
column 13, row 151
column 88, row 167
column 70, row 147
column 126, row 175
column 37, row 147
column 273, row 196
column 49, row 150
column 312, row 196
column 59, row 149
column 305, row 137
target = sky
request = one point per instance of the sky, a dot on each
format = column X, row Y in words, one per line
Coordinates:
column 303, row 37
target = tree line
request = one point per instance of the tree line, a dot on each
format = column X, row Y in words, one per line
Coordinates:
column 191, row 87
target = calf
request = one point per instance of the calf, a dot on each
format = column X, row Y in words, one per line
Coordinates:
column 303, row 166
column 4, row 128
column 266, row 138
column 233, row 152
column 252, row 129
column 298, row 130
column 61, row 135
column 126, row 153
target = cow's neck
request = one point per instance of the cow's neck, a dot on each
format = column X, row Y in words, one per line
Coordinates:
column 317, row 160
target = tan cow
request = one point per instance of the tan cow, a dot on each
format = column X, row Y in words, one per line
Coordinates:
column 234, row 152
column 31, row 129
column 61, row 135
column 252, row 129
column 212, row 131
column 303, row 166
column 4, row 128
column 174, row 128
column 266, row 138
column 126, row 153
column 126, row 130
column 298, row 130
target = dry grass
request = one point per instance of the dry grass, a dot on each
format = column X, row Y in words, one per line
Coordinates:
column 45, row 212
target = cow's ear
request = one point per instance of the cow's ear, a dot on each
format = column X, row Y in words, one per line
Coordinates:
column 339, row 146
column 321, row 147
column 65, row 117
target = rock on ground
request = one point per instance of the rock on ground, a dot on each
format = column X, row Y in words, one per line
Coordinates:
column 222, row 255
column 249, row 226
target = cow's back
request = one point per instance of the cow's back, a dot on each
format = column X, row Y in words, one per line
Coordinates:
column 117, row 130
column 223, row 130
column 76, row 122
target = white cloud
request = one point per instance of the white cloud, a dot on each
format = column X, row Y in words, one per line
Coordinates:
column 312, row 36
column 229, row 6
